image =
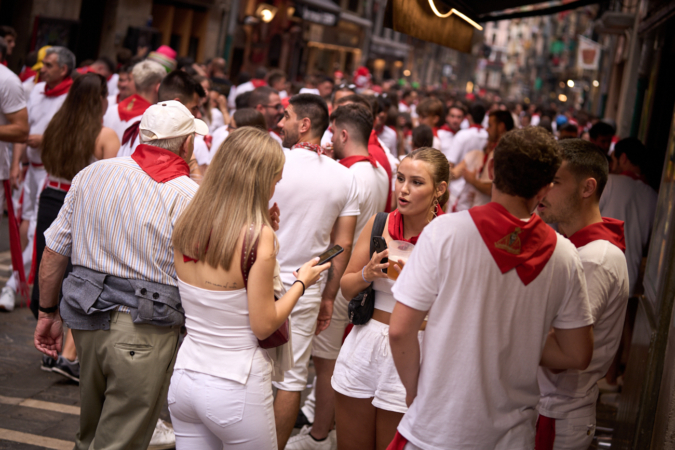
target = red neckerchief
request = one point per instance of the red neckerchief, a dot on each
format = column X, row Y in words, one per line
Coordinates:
column 395, row 227
column 634, row 176
column 610, row 230
column 405, row 103
column 258, row 83
column 208, row 140
column 351, row 160
column 307, row 146
column 476, row 125
column 131, row 133
column 513, row 243
column 4, row 63
column 447, row 128
column 132, row 106
column 162, row 165
column 435, row 131
column 109, row 77
column 26, row 74
column 60, row 89
column 375, row 149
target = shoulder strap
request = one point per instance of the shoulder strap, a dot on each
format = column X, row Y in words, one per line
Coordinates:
column 378, row 228
column 248, row 260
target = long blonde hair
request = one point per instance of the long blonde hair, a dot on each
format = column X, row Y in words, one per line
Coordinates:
column 234, row 194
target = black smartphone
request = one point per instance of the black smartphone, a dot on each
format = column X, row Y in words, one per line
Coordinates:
column 380, row 245
column 328, row 255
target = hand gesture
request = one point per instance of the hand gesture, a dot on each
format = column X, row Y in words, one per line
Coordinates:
column 374, row 269
column 309, row 273
column 274, row 216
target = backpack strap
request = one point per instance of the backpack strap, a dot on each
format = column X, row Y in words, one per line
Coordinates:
column 248, row 260
column 378, row 229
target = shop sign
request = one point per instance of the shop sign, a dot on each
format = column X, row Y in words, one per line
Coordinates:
column 321, row 17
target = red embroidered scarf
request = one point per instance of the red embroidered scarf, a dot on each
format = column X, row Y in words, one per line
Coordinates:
column 609, row 229
column 131, row 107
column 307, row 146
column 60, row 89
column 162, row 165
column 513, row 243
column 395, row 227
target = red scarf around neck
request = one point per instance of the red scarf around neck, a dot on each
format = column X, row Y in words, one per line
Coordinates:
column 132, row 106
column 376, row 150
column 513, row 243
column 60, row 89
column 26, row 74
column 258, row 83
column 308, row 146
column 447, row 128
column 131, row 133
column 476, row 125
column 351, row 160
column 634, row 176
column 609, row 229
column 162, row 165
column 395, row 227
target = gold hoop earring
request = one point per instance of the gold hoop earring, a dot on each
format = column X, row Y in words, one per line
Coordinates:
column 434, row 208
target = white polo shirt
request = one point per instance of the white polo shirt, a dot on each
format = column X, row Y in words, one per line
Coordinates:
column 484, row 337
column 313, row 192
column 41, row 109
column 573, row 393
column 634, row 202
column 12, row 100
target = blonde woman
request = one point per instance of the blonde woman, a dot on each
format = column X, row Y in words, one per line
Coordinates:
column 221, row 391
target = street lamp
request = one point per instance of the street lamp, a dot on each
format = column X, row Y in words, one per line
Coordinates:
column 570, row 83
column 266, row 12
column 562, row 98
column 406, row 73
column 596, row 83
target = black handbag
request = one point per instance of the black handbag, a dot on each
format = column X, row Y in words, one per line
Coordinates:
column 361, row 307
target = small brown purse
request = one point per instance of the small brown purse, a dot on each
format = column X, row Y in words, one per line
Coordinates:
column 281, row 336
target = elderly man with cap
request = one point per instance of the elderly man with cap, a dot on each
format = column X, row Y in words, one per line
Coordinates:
column 121, row 300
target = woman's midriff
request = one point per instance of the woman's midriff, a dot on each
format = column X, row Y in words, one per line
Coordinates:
column 385, row 317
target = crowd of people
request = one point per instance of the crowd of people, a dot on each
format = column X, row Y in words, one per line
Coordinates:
column 172, row 223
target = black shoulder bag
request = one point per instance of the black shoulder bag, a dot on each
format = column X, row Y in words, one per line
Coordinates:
column 361, row 307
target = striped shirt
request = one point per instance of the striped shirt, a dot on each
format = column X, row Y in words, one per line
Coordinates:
column 117, row 220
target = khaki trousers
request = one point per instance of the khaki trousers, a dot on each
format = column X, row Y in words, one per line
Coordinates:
column 124, row 378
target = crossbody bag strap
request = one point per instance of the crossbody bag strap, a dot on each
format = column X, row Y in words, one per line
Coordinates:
column 248, row 260
column 378, row 229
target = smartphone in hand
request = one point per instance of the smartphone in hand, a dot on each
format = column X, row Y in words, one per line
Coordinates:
column 380, row 245
column 328, row 255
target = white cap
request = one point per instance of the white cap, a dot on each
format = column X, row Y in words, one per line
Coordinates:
column 170, row 119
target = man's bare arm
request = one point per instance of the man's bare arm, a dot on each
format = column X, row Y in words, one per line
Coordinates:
column 49, row 330
column 568, row 348
column 17, row 128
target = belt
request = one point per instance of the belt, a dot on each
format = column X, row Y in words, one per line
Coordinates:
column 58, row 186
column 384, row 317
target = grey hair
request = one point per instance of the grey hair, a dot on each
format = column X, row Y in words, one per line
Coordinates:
column 147, row 74
column 64, row 57
column 172, row 144
column 3, row 48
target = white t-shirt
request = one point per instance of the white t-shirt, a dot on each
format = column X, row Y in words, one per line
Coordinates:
column 327, row 137
column 373, row 185
column 464, row 141
column 217, row 120
column 313, row 192
column 480, row 199
column 201, row 152
column 484, row 337
column 634, row 202
column 219, row 137
column 446, row 137
column 111, row 119
column 235, row 91
column 467, row 196
column 113, row 90
column 28, row 86
column 573, row 393
column 277, row 138
column 305, row 90
column 41, row 109
column 389, row 138
column 12, row 99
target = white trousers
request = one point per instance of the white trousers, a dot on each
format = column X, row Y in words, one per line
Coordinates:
column 210, row 413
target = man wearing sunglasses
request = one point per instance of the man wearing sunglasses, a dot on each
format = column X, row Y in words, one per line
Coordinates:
column 266, row 100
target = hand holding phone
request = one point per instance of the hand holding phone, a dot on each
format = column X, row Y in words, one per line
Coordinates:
column 328, row 255
column 380, row 245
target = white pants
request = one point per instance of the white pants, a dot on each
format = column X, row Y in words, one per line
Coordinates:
column 209, row 412
column 575, row 433
column 32, row 187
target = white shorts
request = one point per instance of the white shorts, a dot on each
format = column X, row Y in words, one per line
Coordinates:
column 32, row 186
column 327, row 344
column 365, row 368
column 303, row 326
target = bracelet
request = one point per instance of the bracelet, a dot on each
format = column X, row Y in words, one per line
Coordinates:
column 303, row 286
column 362, row 276
column 51, row 309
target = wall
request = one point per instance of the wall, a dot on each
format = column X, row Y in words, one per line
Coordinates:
column 120, row 15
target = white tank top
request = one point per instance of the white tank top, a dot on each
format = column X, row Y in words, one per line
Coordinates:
column 384, row 299
column 219, row 339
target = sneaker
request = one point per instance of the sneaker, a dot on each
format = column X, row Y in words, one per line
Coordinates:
column 69, row 369
column 304, row 441
column 47, row 363
column 302, row 420
column 7, row 299
column 163, row 437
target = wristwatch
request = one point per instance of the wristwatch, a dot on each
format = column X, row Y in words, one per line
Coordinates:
column 51, row 309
